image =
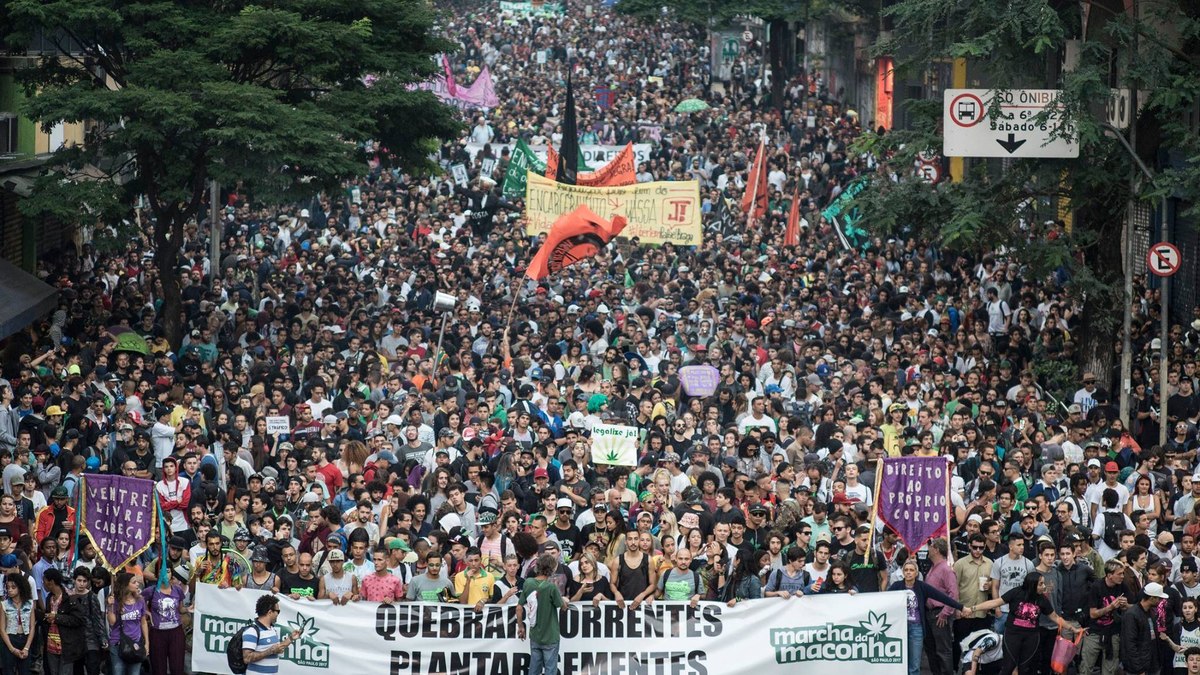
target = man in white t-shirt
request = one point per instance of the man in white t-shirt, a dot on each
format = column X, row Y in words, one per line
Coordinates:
column 999, row 313
column 856, row 489
column 818, row 569
column 1095, row 493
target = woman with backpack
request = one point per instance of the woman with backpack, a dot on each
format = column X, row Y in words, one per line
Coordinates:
column 129, row 626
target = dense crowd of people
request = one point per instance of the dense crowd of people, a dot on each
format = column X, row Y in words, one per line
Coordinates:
column 413, row 473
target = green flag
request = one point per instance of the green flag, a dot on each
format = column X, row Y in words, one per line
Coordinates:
column 521, row 160
column 582, row 165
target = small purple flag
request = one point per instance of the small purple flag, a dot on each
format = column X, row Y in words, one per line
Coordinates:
column 911, row 497
column 118, row 516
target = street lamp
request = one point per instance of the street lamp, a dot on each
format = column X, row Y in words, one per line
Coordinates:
column 1164, row 319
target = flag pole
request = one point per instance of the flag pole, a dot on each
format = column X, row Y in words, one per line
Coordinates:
column 512, row 308
column 756, row 170
column 875, row 505
column 949, row 515
column 80, row 489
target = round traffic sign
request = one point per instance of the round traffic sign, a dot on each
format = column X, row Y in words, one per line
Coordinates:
column 1163, row 259
column 930, row 173
column 966, row 110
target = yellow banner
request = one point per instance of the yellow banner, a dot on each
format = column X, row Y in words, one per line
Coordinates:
column 657, row 212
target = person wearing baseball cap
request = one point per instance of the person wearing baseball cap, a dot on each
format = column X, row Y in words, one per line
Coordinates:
column 1139, row 637
column 337, row 585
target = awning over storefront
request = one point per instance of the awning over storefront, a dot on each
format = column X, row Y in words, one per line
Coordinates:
column 23, row 298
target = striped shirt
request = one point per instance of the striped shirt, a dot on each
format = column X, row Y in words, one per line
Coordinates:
column 260, row 638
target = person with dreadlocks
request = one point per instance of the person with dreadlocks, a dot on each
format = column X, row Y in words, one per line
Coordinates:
column 216, row 566
column 165, row 609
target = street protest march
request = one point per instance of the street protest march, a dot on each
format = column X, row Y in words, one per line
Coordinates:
column 597, row 338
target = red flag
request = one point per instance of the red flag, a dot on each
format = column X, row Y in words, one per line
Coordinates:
column 575, row 236
column 756, row 185
column 620, row 171
column 551, row 162
column 791, row 236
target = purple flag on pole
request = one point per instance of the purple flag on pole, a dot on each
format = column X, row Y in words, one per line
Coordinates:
column 912, row 497
column 118, row 516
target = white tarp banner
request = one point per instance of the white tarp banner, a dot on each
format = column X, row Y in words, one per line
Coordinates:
column 864, row 634
column 596, row 156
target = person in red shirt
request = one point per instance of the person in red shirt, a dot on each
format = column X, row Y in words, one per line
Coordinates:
column 382, row 586
column 329, row 472
column 58, row 513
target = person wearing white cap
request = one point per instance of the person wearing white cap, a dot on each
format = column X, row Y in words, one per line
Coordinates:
column 1139, row 633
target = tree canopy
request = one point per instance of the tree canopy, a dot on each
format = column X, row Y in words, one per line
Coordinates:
column 273, row 97
column 1021, row 44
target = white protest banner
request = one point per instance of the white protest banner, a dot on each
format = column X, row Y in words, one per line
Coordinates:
column 460, row 175
column 615, row 444
column 487, row 167
column 278, row 424
column 835, row 634
column 595, row 155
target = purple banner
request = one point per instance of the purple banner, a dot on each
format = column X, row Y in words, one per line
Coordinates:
column 118, row 516
column 699, row 380
column 912, row 497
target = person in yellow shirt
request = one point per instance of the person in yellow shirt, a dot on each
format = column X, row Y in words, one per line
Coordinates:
column 893, row 430
column 473, row 585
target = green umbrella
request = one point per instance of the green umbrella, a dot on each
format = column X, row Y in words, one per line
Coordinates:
column 129, row 341
column 691, row 105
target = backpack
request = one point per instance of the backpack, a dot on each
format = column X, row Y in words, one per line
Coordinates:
column 695, row 580
column 233, row 650
column 531, row 604
column 1112, row 528
column 775, row 580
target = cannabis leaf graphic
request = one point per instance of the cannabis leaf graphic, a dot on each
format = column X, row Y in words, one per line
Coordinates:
column 612, row 457
column 877, row 623
column 306, row 625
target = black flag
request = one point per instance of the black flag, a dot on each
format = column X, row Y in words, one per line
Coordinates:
column 569, row 150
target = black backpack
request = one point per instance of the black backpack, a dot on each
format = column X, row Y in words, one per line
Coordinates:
column 233, row 650
column 1113, row 524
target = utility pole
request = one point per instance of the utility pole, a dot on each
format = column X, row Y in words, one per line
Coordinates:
column 214, row 232
column 1127, row 258
column 1164, row 334
column 1164, row 318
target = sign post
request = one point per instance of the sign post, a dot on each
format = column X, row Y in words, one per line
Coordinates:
column 1016, row 123
column 1163, row 259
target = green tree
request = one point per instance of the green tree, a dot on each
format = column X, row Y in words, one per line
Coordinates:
column 277, row 98
column 1021, row 44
